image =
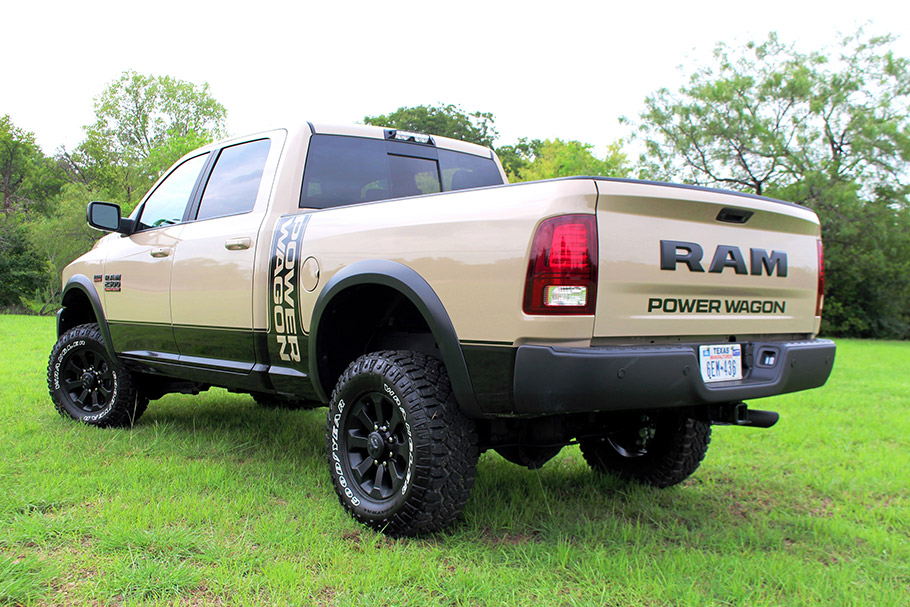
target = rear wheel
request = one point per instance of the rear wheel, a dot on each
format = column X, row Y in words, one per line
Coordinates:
column 87, row 385
column 401, row 454
column 658, row 449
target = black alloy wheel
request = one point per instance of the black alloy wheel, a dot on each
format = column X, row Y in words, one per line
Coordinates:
column 88, row 380
column 377, row 445
column 87, row 385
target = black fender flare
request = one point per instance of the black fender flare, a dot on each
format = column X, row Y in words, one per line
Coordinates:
column 413, row 286
column 82, row 284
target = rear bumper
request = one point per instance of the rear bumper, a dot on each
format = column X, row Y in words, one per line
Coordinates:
column 549, row 380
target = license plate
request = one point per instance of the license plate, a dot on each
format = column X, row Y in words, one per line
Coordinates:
column 721, row 363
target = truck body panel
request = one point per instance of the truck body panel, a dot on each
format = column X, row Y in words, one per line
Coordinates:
column 739, row 295
column 481, row 281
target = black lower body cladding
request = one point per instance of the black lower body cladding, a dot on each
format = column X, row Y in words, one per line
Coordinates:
column 550, row 380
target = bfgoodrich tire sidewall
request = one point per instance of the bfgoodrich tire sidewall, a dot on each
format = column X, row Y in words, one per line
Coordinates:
column 364, row 507
column 65, row 350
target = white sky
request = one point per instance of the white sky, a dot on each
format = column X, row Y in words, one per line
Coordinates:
column 557, row 69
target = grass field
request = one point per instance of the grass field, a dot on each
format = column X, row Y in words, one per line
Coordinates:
column 211, row 500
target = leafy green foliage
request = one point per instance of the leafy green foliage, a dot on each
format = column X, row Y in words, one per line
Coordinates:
column 536, row 159
column 828, row 129
column 26, row 176
column 445, row 120
column 21, row 270
column 143, row 124
column 60, row 237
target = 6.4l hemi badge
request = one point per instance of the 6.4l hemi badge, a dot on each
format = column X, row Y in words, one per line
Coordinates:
column 112, row 282
column 283, row 301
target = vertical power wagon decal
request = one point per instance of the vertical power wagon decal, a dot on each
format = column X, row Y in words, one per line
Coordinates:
column 287, row 342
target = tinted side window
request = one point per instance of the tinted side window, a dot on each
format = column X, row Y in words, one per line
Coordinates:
column 167, row 203
column 234, row 182
column 344, row 170
column 462, row 171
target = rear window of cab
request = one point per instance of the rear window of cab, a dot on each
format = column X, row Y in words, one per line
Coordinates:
column 342, row 170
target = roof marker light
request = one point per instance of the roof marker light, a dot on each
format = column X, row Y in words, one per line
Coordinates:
column 408, row 136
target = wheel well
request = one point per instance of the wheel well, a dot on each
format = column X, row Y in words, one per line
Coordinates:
column 77, row 310
column 366, row 318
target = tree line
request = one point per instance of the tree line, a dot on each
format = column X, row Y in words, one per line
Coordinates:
column 829, row 129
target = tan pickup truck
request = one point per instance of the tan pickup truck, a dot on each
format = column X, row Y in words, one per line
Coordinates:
column 441, row 312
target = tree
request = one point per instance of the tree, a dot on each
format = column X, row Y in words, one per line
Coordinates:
column 519, row 156
column 26, row 176
column 58, row 238
column 445, row 120
column 547, row 159
column 21, row 271
column 829, row 129
column 143, row 124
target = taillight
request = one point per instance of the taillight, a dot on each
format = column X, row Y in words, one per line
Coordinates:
column 820, row 298
column 562, row 272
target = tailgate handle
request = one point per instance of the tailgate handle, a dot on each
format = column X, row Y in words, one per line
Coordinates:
column 730, row 215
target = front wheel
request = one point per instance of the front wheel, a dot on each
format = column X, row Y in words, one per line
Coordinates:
column 402, row 455
column 660, row 449
column 86, row 384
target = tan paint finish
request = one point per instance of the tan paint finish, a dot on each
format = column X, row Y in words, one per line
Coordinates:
column 90, row 264
column 470, row 246
column 212, row 283
column 144, row 295
column 634, row 218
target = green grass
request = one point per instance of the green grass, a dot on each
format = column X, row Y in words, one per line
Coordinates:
column 211, row 500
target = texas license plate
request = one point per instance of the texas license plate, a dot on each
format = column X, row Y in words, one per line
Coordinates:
column 721, row 363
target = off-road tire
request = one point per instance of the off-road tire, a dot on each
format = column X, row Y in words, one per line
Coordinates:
column 85, row 384
column 670, row 456
column 270, row 401
column 402, row 455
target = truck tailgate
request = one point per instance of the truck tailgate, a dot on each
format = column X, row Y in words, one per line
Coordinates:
column 684, row 261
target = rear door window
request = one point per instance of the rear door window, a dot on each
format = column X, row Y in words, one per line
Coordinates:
column 344, row 170
column 234, row 183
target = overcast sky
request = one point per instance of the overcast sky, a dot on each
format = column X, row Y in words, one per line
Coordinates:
column 544, row 69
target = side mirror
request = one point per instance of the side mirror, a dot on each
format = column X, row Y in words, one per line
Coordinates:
column 106, row 216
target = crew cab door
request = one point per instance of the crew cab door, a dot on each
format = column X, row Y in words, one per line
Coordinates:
column 137, row 270
column 211, row 295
